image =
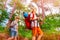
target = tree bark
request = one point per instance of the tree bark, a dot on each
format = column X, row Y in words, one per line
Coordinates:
column 43, row 13
column 11, row 14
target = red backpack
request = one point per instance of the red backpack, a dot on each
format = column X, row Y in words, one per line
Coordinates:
column 28, row 22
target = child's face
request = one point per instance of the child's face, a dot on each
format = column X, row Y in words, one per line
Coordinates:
column 17, row 20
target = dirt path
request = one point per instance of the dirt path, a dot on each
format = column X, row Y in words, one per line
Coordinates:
column 4, row 36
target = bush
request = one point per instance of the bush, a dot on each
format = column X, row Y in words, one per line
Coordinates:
column 3, row 15
column 1, row 29
column 25, row 33
column 51, row 22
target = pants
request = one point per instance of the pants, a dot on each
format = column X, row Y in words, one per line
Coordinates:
column 13, row 33
column 36, row 31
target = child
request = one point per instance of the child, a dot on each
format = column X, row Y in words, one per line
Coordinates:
column 35, row 25
column 14, row 29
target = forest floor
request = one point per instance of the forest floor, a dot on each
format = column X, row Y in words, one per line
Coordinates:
column 4, row 36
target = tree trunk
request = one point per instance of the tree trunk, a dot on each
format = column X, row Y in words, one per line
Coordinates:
column 43, row 13
column 11, row 14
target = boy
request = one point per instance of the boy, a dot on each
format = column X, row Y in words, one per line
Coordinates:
column 14, row 29
column 35, row 25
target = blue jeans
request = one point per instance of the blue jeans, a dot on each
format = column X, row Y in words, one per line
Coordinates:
column 13, row 33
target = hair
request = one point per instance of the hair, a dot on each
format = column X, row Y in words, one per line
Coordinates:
column 17, row 17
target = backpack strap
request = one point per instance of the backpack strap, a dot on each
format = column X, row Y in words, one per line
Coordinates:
column 12, row 24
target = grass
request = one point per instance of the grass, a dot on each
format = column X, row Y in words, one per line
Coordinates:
column 1, row 29
column 48, row 34
column 25, row 33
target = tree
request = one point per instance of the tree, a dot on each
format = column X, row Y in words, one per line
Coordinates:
column 17, row 5
column 3, row 15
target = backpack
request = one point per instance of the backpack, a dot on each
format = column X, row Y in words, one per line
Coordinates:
column 27, row 20
column 11, row 26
